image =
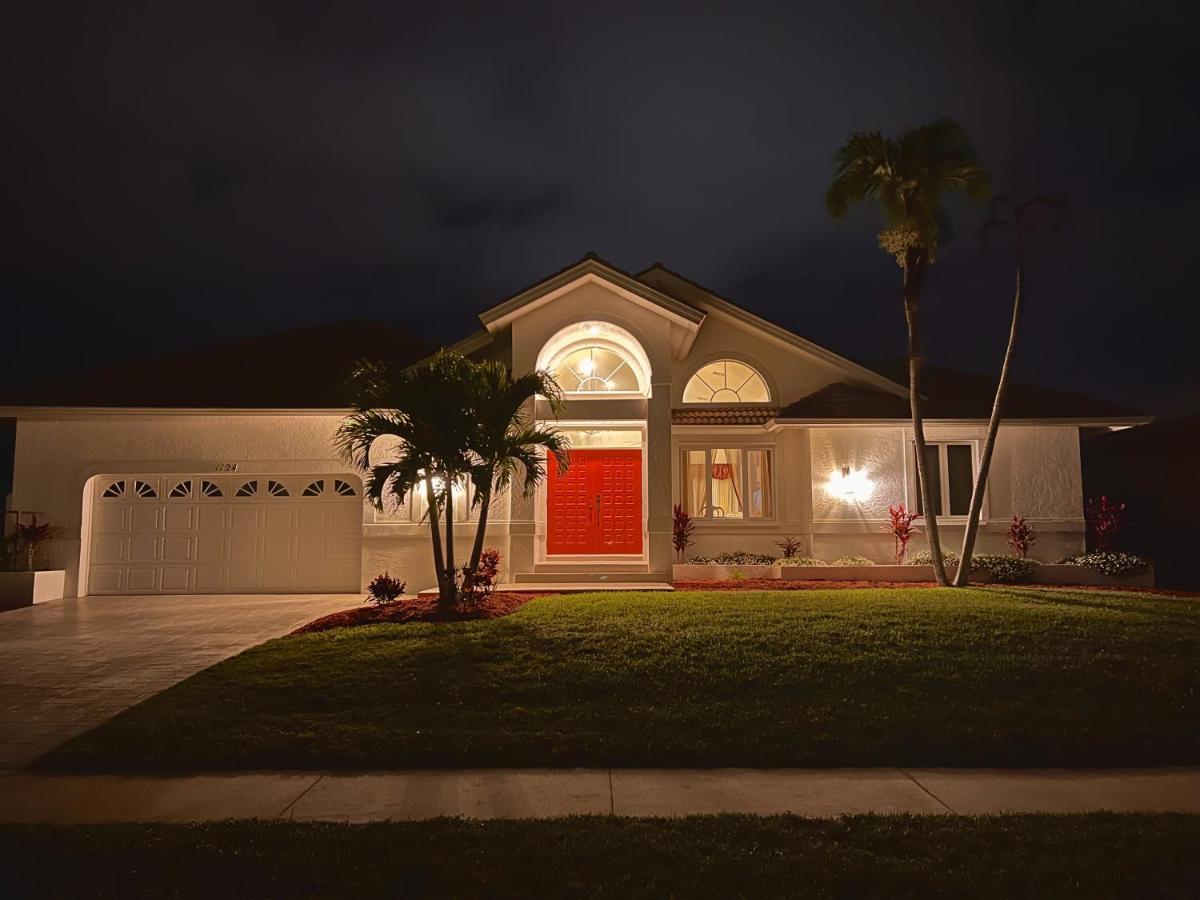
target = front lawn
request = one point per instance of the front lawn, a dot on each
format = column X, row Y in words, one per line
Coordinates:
column 981, row 677
column 720, row 856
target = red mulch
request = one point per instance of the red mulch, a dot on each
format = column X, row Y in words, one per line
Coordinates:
column 417, row 609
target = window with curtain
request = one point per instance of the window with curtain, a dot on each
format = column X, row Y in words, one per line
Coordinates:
column 951, row 468
column 728, row 483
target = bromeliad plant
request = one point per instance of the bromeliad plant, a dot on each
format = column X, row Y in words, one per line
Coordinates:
column 682, row 527
column 900, row 527
column 451, row 422
column 1020, row 536
column 790, row 546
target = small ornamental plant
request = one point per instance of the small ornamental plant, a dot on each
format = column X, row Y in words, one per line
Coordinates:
column 681, row 531
column 1020, row 536
column 384, row 589
column 734, row 558
column 790, row 546
column 31, row 535
column 479, row 585
column 900, row 527
column 852, row 561
column 1106, row 519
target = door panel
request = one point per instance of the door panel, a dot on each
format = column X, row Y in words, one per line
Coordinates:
column 596, row 507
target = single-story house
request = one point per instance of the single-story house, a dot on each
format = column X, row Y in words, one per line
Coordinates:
column 674, row 395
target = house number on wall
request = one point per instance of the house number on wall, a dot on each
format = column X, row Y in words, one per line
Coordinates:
column 227, row 467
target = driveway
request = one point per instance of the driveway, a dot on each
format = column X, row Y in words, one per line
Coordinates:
column 68, row 665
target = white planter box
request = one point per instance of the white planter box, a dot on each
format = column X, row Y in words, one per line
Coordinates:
column 18, row 589
column 698, row 572
column 857, row 573
column 1054, row 574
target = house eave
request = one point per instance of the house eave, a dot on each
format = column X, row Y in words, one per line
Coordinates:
column 1074, row 421
column 28, row 413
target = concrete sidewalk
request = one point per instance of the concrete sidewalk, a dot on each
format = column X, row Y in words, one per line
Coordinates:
column 543, row 793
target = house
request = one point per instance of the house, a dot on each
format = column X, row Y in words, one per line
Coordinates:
column 673, row 395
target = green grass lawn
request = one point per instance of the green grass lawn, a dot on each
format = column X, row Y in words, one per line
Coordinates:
column 874, row 677
column 1092, row 856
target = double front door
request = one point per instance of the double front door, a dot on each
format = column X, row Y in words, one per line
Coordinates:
column 596, row 506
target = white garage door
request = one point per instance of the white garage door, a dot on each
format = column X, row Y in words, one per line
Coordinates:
column 181, row 534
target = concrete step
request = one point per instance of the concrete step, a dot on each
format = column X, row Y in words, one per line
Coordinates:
column 578, row 587
column 591, row 577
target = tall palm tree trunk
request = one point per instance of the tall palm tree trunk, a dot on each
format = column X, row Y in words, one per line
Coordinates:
column 450, row 593
column 485, row 503
column 435, row 532
column 911, row 288
column 962, row 577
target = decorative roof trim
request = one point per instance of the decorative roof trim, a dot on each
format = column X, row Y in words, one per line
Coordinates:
column 591, row 270
column 1076, row 422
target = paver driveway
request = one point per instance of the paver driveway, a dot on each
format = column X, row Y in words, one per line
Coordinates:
column 68, row 665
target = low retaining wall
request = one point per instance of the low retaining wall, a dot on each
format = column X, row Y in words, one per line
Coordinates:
column 1044, row 574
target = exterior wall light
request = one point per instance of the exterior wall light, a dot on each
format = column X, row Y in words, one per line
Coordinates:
column 849, row 485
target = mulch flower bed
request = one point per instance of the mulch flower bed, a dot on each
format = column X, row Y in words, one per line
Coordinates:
column 420, row 609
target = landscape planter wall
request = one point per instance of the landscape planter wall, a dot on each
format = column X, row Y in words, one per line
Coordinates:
column 857, row 573
column 1054, row 574
column 19, row 589
column 705, row 572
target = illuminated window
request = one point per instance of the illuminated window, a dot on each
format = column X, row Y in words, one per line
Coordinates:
column 728, row 483
column 951, row 468
column 726, row 381
column 593, row 359
column 594, row 368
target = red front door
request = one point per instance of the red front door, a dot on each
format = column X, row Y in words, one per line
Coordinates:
column 596, row 507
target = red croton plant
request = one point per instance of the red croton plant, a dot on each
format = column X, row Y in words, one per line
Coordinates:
column 682, row 529
column 900, row 527
column 478, row 586
column 1106, row 519
column 1020, row 536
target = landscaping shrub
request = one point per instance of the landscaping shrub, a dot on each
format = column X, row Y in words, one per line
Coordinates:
column 1105, row 519
column 384, row 589
column 925, row 558
column 478, row 585
column 802, row 561
column 734, row 558
column 852, row 561
column 790, row 546
column 1108, row 563
column 1004, row 569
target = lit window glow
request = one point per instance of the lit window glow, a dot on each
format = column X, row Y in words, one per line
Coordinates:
column 726, row 381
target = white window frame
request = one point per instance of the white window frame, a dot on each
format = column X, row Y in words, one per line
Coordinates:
column 709, row 449
column 944, row 476
column 414, row 506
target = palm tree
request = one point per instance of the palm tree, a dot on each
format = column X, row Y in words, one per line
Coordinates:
column 1019, row 221
column 426, row 409
column 908, row 177
column 507, row 441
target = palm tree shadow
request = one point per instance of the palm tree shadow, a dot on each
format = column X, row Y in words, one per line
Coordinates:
column 1151, row 608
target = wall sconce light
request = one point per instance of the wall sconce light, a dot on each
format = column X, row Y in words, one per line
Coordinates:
column 849, row 485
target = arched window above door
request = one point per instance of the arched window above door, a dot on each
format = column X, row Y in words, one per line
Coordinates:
column 597, row 359
column 726, row 381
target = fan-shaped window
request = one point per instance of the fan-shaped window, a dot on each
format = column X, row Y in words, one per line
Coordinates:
column 343, row 488
column 726, row 381
column 210, row 489
column 596, row 358
column 116, row 489
column 314, row 489
column 249, row 489
column 182, row 489
column 275, row 489
column 144, row 490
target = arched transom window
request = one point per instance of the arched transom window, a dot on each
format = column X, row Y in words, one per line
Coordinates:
column 726, row 381
column 597, row 358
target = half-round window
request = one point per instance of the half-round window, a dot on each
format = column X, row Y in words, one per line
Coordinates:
column 590, row 359
column 726, row 381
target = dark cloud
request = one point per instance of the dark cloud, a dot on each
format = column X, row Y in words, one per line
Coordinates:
column 191, row 171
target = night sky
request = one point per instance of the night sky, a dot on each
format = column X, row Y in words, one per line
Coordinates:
column 177, row 174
